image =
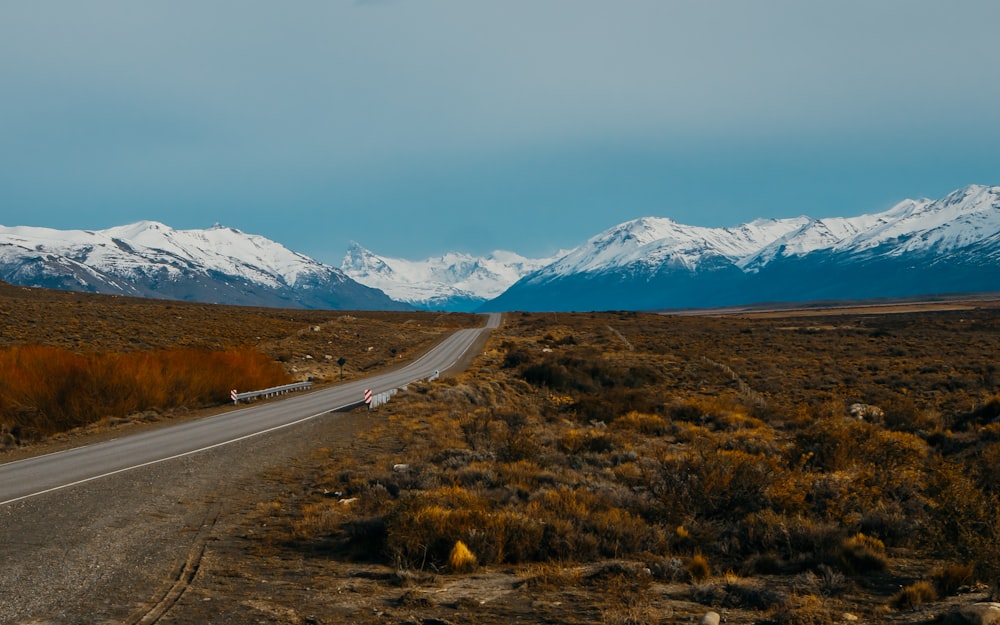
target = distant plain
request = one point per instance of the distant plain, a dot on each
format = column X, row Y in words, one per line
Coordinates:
column 607, row 467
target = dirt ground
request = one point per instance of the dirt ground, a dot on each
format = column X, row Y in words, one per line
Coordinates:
column 197, row 541
column 243, row 577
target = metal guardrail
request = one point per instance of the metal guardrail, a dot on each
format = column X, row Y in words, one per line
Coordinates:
column 269, row 392
column 373, row 401
column 380, row 399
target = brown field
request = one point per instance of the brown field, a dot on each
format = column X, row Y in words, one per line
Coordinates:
column 73, row 359
column 612, row 468
column 867, row 307
column 629, row 468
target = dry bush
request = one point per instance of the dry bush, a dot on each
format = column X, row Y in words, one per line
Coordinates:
column 715, row 483
column 525, row 476
column 799, row 539
column 128, row 362
column 733, row 591
column 893, row 451
column 948, row 578
column 804, row 610
column 833, row 444
column 646, row 424
column 577, row 441
column 698, row 568
column 461, row 560
column 319, row 520
column 797, row 488
column 863, row 554
column 987, row 465
column 48, row 389
column 626, row 605
column 964, row 519
column 548, row 576
column 422, row 528
column 913, row 595
column 826, row 581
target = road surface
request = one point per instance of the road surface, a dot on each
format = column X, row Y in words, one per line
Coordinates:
column 114, row 532
column 32, row 477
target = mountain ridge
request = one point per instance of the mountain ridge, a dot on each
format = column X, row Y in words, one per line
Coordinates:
column 454, row 281
column 915, row 247
column 150, row 259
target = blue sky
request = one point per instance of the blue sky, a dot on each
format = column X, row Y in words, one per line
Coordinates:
column 417, row 127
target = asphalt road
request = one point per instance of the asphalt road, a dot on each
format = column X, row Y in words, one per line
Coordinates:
column 25, row 479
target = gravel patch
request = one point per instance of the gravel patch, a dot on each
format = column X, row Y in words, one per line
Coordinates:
column 114, row 550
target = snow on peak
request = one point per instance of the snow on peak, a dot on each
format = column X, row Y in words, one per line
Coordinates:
column 434, row 281
column 147, row 246
column 130, row 232
column 655, row 241
column 964, row 217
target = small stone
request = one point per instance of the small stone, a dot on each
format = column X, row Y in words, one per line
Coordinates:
column 710, row 618
column 986, row 613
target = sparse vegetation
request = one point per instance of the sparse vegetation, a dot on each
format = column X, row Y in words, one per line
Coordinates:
column 45, row 390
column 598, row 449
column 73, row 359
column 913, row 595
column 623, row 465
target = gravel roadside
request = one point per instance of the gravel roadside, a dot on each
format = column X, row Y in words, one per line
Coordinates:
column 119, row 549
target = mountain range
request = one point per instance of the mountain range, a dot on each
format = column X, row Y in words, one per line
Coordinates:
column 951, row 245
column 453, row 282
column 149, row 259
column 918, row 247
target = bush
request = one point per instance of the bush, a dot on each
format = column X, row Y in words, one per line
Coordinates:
column 648, row 424
column 913, row 595
column 697, row 568
column 863, row 554
column 46, row 390
column 807, row 610
column 949, row 578
column 461, row 560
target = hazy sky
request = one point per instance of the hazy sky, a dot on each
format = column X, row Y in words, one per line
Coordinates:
column 417, row 127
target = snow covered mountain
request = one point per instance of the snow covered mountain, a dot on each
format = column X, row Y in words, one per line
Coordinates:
column 453, row 282
column 951, row 245
column 149, row 259
column 918, row 247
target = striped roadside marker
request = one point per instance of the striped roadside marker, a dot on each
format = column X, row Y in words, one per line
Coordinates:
column 368, row 397
column 232, row 394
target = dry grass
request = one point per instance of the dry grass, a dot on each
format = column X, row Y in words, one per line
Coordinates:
column 914, row 595
column 554, row 451
column 45, row 390
column 71, row 359
column 670, row 448
column 461, row 560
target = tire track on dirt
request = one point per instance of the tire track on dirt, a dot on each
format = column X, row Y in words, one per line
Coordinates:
column 149, row 615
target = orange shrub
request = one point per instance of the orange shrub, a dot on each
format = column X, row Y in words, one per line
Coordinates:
column 44, row 390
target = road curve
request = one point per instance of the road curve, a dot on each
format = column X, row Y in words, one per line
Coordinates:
column 31, row 477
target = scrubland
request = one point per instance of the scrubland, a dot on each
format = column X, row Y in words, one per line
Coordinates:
column 629, row 468
column 587, row 468
column 70, row 360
